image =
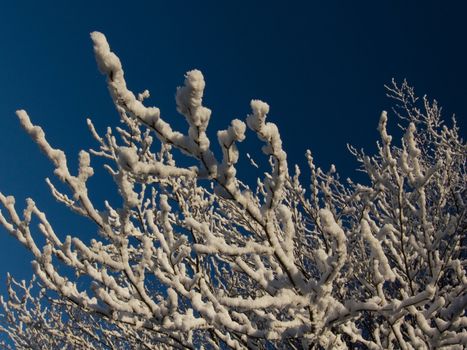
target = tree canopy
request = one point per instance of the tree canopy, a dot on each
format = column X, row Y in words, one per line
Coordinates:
column 202, row 256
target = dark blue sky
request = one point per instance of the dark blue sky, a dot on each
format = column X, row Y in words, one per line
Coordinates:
column 320, row 65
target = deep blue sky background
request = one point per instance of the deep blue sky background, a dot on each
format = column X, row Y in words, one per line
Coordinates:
column 320, row 65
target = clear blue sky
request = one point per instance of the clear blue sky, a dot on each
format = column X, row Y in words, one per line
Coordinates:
column 320, row 65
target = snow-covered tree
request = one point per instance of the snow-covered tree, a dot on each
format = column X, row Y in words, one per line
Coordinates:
column 194, row 257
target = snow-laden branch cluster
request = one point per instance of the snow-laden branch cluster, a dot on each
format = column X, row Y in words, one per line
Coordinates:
column 194, row 257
